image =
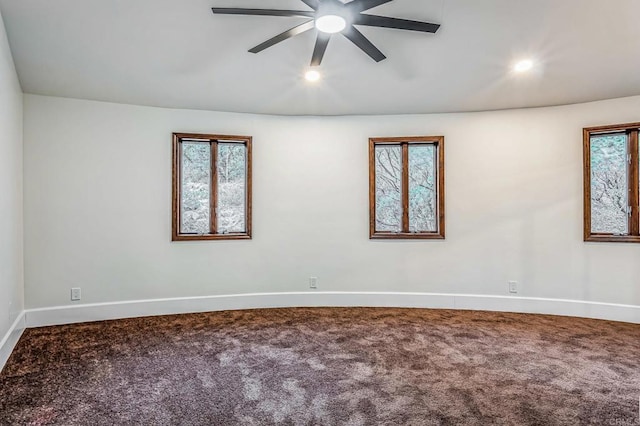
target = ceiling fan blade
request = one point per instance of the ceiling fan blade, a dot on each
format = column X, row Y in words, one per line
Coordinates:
column 357, row 38
column 262, row 12
column 313, row 4
column 400, row 24
column 321, row 46
column 362, row 5
column 282, row 37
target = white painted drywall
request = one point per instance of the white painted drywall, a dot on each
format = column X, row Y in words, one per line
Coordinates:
column 11, row 218
column 98, row 206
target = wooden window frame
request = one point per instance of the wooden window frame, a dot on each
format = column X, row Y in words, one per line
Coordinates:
column 632, row 130
column 404, row 142
column 213, row 140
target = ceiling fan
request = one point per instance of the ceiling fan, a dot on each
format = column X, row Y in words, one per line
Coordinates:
column 331, row 17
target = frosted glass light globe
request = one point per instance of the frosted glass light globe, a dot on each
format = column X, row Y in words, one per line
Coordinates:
column 331, row 24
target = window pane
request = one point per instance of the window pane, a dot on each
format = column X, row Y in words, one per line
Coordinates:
column 231, row 187
column 609, row 184
column 196, row 178
column 422, row 188
column 388, row 170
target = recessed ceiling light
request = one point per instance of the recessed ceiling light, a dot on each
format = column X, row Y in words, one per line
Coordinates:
column 312, row 75
column 523, row 66
column 331, row 24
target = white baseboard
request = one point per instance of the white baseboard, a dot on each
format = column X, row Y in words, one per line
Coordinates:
column 10, row 339
column 139, row 308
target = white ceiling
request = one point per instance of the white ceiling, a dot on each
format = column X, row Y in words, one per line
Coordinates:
column 177, row 54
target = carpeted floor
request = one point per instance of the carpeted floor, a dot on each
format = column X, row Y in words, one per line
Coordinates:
column 326, row 367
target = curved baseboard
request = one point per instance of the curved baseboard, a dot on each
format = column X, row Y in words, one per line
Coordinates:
column 139, row 308
column 10, row 339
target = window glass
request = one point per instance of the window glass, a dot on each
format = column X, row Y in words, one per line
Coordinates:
column 609, row 184
column 422, row 188
column 388, row 187
column 231, row 187
column 195, row 188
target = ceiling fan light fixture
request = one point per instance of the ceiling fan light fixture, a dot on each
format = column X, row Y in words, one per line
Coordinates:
column 330, row 17
column 331, row 24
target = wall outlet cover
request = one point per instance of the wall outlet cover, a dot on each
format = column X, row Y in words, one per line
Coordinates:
column 76, row 293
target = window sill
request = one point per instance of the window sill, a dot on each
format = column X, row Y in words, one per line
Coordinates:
column 211, row 237
column 406, row 236
column 612, row 238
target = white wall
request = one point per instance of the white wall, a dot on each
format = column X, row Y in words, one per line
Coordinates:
column 98, row 206
column 11, row 265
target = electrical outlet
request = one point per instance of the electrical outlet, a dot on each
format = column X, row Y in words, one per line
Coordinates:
column 76, row 294
column 313, row 282
column 513, row 286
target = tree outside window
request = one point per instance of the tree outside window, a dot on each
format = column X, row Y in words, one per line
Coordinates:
column 211, row 187
column 406, row 187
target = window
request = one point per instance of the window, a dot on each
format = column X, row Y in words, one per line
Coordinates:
column 611, row 183
column 211, row 187
column 406, row 187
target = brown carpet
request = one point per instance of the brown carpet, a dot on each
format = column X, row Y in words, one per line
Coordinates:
column 326, row 367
